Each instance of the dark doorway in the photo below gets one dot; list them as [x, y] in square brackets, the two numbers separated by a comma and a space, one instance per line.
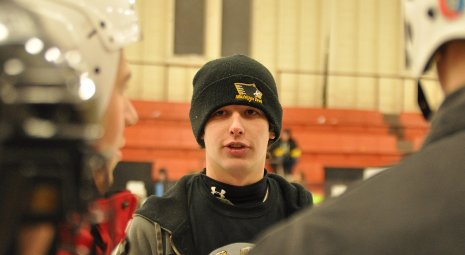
[337, 180]
[133, 171]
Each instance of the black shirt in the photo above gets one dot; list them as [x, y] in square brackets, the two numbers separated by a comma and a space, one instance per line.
[217, 223]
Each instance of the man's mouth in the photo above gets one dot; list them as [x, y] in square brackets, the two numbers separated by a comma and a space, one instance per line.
[236, 145]
[237, 149]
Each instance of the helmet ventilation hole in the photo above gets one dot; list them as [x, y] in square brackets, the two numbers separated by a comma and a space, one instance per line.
[431, 13]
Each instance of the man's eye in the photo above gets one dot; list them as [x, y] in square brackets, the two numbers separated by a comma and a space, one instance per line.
[219, 113]
[251, 112]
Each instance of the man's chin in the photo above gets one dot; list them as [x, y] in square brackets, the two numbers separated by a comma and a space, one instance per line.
[103, 181]
[236, 164]
[104, 177]
[112, 164]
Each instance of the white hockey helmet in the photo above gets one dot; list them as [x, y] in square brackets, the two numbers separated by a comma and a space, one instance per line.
[97, 29]
[428, 25]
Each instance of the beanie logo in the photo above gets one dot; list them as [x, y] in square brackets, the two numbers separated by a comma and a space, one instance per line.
[249, 92]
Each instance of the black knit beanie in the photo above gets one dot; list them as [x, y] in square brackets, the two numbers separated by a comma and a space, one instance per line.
[233, 80]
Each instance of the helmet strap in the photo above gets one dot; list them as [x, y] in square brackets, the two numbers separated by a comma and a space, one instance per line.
[423, 102]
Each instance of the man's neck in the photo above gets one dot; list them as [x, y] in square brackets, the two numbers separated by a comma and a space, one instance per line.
[237, 177]
[452, 67]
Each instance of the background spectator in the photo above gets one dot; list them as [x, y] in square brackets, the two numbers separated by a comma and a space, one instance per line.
[163, 183]
[284, 154]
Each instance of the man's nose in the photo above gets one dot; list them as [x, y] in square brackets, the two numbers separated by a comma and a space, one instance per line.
[130, 114]
[236, 127]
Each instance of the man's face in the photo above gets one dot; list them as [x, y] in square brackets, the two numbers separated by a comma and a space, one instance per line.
[120, 113]
[236, 139]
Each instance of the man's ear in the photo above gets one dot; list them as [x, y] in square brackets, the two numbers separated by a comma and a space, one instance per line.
[272, 135]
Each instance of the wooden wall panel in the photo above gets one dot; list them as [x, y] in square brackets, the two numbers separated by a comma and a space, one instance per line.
[345, 46]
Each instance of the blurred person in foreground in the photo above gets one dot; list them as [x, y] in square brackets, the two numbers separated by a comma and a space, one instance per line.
[416, 207]
[235, 114]
[70, 127]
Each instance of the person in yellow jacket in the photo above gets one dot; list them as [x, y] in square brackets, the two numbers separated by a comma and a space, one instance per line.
[284, 154]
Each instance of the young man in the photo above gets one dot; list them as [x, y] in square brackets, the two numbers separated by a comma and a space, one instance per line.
[416, 207]
[88, 36]
[235, 114]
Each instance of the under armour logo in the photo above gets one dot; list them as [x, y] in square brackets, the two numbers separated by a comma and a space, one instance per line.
[219, 194]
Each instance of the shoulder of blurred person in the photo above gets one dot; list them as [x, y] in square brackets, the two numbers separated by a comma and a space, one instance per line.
[414, 207]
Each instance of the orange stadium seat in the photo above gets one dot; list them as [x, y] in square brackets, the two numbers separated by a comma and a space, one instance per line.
[327, 137]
